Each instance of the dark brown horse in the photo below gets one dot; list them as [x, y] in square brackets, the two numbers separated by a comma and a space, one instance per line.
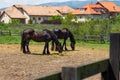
[64, 34]
[43, 36]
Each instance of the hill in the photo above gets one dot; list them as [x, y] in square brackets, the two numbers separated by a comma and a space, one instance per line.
[74, 4]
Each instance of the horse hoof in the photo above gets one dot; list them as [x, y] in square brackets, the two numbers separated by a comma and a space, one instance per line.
[66, 49]
[24, 52]
[48, 53]
[44, 53]
[28, 52]
[52, 49]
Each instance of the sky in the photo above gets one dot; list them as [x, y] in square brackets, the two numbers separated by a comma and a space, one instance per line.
[7, 3]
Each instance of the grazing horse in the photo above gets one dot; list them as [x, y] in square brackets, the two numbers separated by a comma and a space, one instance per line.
[43, 36]
[64, 34]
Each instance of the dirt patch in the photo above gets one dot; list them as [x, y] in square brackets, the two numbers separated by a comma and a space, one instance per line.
[14, 65]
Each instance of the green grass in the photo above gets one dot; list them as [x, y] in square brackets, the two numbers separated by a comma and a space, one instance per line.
[17, 40]
[10, 39]
[14, 40]
[93, 44]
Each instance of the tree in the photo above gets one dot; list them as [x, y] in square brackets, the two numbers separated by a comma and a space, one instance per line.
[69, 19]
[55, 18]
[15, 21]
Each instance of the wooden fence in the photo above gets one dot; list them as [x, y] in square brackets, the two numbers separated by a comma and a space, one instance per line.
[98, 38]
[8, 33]
[5, 32]
[108, 68]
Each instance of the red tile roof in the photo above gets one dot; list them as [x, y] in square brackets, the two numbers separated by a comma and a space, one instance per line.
[111, 6]
[90, 9]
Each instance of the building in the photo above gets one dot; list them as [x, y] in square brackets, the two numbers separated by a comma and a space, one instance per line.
[90, 11]
[100, 10]
[12, 13]
[111, 8]
[36, 14]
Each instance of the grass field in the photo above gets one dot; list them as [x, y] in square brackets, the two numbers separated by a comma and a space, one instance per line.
[17, 40]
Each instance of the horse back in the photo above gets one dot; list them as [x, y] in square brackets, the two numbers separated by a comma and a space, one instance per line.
[41, 36]
[61, 33]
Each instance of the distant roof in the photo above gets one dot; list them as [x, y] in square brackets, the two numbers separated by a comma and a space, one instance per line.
[63, 9]
[44, 10]
[14, 12]
[111, 6]
[89, 9]
[38, 10]
[92, 6]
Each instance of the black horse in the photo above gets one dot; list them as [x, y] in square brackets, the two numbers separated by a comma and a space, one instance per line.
[64, 34]
[43, 36]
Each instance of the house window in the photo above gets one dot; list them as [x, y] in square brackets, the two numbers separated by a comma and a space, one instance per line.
[96, 9]
[82, 10]
[33, 18]
[39, 18]
[99, 10]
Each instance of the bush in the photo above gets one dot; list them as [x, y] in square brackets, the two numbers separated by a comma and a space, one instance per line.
[15, 21]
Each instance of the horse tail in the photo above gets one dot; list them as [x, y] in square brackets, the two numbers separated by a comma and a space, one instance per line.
[22, 41]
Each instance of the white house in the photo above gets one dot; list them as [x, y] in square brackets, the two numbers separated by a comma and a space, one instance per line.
[12, 13]
[92, 11]
[100, 10]
[36, 14]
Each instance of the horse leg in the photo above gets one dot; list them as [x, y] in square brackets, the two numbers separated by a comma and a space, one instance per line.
[52, 48]
[27, 46]
[47, 46]
[24, 50]
[64, 44]
[44, 50]
[24, 47]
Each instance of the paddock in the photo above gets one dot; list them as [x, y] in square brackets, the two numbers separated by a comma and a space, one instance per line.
[18, 66]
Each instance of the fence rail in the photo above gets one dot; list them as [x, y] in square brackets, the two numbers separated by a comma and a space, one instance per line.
[8, 33]
[79, 72]
[5, 32]
[98, 38]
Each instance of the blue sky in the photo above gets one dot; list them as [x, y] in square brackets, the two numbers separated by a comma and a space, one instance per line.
[7, 3]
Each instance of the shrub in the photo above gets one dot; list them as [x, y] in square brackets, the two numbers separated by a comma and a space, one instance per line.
[15, 21]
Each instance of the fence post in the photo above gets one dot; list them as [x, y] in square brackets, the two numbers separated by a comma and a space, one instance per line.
[70, 73]
[114, 57]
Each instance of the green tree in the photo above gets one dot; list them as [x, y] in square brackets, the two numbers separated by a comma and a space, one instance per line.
[118, 18]
[69, 19]
[30, 21]
[15, 21]
[55, 18]
[3, 25]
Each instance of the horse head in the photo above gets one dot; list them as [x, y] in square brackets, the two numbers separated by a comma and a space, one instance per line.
[72, 45]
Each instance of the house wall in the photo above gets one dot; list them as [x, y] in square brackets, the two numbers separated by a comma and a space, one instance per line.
[84, 18]
[27, 17]
[5, 18]
[35, 19]
[25, 14]
[38, 19]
